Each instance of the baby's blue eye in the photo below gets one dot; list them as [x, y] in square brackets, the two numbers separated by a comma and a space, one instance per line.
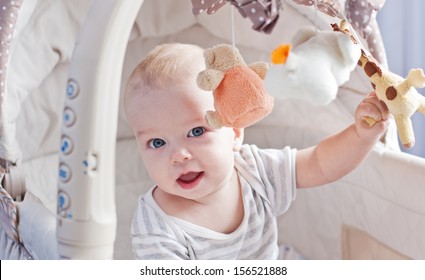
[196, 132]
[156, 143]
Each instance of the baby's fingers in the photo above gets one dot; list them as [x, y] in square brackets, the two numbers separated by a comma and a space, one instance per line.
[372, 110]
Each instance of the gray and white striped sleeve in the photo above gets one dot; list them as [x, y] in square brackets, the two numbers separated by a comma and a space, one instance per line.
[275, 169]
[152, 238]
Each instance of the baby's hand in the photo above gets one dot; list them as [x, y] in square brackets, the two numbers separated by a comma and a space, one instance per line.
[371, 118]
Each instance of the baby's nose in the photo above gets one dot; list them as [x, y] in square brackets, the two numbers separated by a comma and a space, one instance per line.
[180, 155]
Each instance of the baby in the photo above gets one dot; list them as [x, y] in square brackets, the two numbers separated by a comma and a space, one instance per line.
[215, 197]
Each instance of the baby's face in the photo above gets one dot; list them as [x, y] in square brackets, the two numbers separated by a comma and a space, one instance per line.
[182, 154]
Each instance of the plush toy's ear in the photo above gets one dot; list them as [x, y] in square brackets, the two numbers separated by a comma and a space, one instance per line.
[303, 35]
[209, 79]
[260, 68]
[209, 56]
[349, 52]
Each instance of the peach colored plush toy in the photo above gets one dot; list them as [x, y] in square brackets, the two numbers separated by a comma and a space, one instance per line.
[239, 95]
[399, 94]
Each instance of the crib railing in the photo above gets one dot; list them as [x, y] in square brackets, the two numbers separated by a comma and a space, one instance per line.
[86, 215]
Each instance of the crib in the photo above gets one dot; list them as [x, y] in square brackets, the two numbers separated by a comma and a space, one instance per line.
[71, 174]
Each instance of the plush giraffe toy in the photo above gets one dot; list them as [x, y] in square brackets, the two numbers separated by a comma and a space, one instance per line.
[399, 94]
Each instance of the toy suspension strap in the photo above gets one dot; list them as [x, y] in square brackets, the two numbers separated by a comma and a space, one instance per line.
[316, 15]
[232, 19]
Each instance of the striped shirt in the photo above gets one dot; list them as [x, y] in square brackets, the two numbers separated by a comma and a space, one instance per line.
[267, 178]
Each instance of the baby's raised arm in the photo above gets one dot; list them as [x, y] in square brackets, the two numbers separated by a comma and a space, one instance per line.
[341, 153]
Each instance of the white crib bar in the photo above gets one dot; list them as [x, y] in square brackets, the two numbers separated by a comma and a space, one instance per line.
[86, 217]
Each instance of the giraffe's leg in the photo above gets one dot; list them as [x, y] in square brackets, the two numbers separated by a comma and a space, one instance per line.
[405, 131]
[421, 108]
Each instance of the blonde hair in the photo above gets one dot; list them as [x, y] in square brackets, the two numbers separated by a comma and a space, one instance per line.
[164, 66]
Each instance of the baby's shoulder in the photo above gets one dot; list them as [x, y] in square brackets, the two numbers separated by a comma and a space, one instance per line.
[149, 219]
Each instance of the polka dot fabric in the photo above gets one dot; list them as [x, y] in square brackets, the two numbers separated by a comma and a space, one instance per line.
[8, 16]
[362, 16]
[262, 13]
[329, 7]
[211, 6]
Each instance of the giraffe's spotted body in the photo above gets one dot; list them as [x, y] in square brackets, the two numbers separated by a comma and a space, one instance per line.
[399, 94]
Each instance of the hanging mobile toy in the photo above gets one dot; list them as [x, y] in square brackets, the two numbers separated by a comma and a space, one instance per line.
[399, 94]
[240, 98]
[313, 67]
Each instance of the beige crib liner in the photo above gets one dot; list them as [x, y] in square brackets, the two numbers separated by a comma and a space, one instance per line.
[359, 245]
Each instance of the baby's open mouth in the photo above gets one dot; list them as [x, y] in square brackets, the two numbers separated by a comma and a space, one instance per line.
[190, 180]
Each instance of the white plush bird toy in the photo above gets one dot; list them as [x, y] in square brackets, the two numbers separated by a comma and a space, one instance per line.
[313, 68]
